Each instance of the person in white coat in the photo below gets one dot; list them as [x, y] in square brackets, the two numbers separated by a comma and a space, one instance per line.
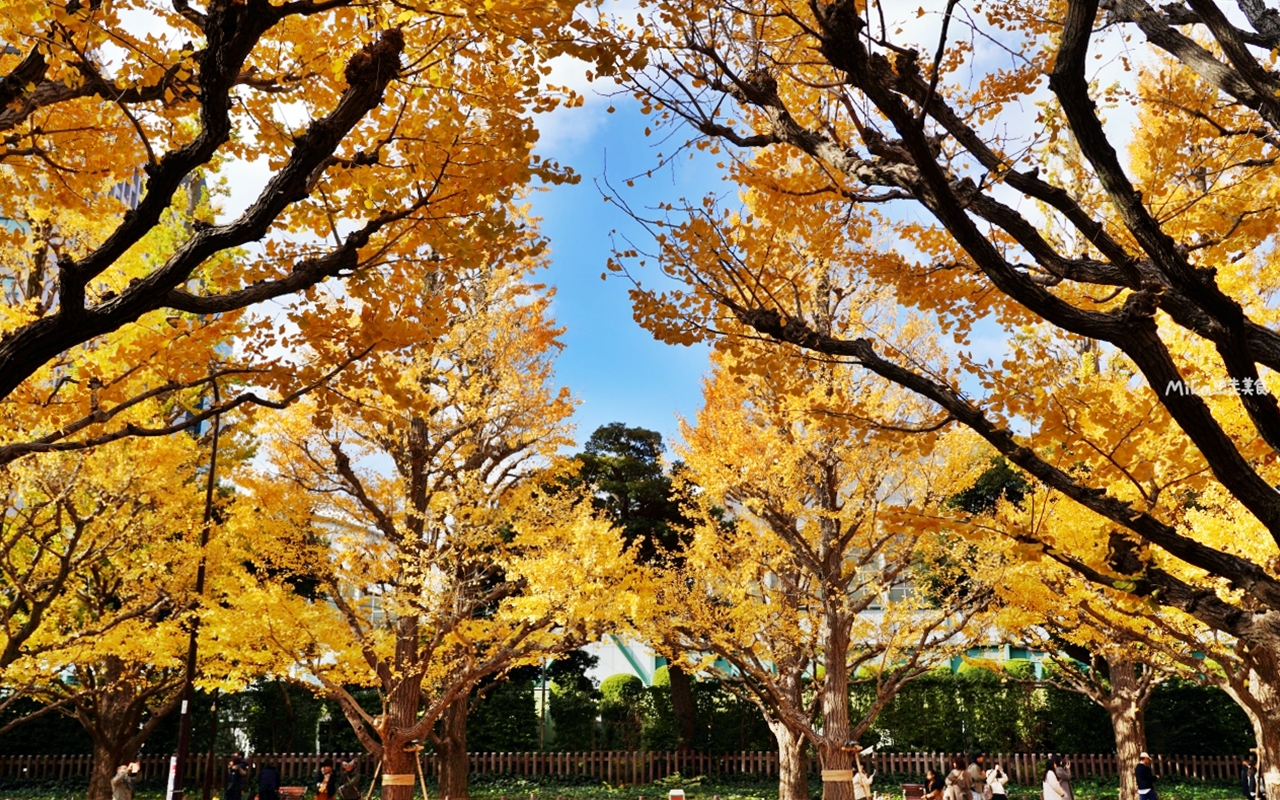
[996, 779]
[1052, 788]
[862, 783]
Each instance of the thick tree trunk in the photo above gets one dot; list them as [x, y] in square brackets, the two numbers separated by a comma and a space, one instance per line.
[1126, 705]
[400, 767]
[682, 704]
[1257, 691]
[451, 750]
[1265, 682]
[835, 712]
[107, 756]
[1266, 733]
[113, 716]
[793, 765]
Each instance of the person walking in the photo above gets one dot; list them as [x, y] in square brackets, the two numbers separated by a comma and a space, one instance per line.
[1063, 770]
[977, 772]
[996, 779]
[325, 783]
[237, 775]
[268, 782]
[1146, 778]
[1051, 788]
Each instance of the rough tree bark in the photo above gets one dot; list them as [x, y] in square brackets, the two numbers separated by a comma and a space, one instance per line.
[402, 715]
[682, 705]
[1126, 704]
[793, 762]
[107, 756]
[451, 750]
[112, 714]
[1257, 691]
[835, 707]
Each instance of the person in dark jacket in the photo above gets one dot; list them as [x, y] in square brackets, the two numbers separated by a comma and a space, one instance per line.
[326, 781]
[268, 782]
[349, 780]
[1146, 778]
[1248, 778]
[237, 777]
[933, 785]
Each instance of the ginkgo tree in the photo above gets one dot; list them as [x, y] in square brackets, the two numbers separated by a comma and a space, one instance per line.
[1122, 646]
[390, 139]
[805, 573]
[1160, 254]
[422, 497]
[1086, 640]
[1083, 628]
[99, 555]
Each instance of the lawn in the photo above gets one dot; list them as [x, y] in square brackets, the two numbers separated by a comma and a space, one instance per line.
[510, 787]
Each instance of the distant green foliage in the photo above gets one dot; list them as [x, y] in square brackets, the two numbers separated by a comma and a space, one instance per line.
[624, 467]
[980, 710]
[660, 730]
[1069, 722]
[730, 724]
[279, 717]
[573, 716]
[662, 677]
[51, 734]
[1184, 717]
[1000, 710]
[926, 715]
[618, 688]
[505, 720]
[164, 738]
[1000, 481]
[624, 706]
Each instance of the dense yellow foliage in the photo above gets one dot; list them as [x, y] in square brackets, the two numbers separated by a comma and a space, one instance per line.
[428, 514]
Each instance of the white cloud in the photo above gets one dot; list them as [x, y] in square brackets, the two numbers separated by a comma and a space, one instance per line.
[566, 129]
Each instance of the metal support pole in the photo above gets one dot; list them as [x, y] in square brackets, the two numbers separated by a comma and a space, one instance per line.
[213, 743]
[179, 769]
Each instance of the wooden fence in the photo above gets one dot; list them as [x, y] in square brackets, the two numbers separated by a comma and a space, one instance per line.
[619, 767]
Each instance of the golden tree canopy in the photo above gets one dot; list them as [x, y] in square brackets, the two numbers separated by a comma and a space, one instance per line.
[942, 166]
[394, 139]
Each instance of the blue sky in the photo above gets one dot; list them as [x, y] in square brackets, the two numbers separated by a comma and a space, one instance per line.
[617, 370]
